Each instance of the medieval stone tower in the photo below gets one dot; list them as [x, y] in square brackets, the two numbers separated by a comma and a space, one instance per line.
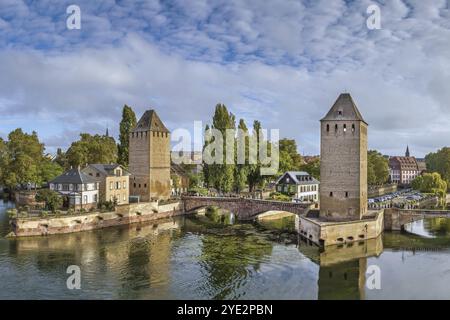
[343, 162]
[149, 158]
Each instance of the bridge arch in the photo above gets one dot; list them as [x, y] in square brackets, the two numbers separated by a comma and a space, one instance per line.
[244, 208]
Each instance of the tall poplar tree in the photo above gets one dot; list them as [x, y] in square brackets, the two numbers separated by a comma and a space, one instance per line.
[242, 169]
[221, 176]
[126, 125]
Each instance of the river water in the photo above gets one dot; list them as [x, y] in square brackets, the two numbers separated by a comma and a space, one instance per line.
[209, 258]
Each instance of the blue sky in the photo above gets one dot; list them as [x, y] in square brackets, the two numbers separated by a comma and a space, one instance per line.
[283, 62]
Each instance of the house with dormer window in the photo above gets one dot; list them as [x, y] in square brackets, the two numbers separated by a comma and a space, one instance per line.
[300, 185]
[78, 190]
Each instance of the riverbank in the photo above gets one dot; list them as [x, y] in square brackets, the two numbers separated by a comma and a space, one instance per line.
[123, 215]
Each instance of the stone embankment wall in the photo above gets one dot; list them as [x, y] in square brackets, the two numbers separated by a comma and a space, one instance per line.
[126, 214]
[26, 198]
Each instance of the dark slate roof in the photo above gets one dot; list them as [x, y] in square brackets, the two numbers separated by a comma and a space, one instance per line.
[177, 169]
[73, 176]
[344, 109]
[296, 177]
[403, 163]
[108, 169]
[150, 122]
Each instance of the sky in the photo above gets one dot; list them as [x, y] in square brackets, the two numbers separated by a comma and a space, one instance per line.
[282, 62]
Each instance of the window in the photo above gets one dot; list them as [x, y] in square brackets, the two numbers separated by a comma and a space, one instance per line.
[97, 174]
[118, 173]
[345, 127]
[328, 128]
[117, 185]
[335, 128]
[353, 127]
[346, 194]
[145, 185]
[331, 194]
[124, 184]
[134, 185]
[111, 185]
[85, 199]
[124, 197]
[95, 198]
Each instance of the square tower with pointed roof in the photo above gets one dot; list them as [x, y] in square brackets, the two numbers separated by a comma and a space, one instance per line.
[149, 158]
[343, 162]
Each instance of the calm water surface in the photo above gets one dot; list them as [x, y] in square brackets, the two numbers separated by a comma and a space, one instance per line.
[209, 258]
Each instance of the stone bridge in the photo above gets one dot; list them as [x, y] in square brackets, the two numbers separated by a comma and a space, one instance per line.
[243, 208]
[395, 219]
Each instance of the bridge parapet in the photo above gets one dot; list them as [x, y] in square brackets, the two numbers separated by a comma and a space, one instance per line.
[244, 208]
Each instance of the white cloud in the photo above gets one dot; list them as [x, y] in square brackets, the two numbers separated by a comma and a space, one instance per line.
[283, 62]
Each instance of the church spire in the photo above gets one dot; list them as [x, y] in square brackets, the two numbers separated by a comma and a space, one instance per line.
[107, 132]
[407, 151]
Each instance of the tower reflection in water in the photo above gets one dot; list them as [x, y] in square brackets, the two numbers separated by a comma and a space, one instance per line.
[194, 258]
[342, 273]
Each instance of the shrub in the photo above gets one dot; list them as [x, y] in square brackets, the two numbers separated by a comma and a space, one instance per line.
[51, 198]
[12, 213]
[279, 197]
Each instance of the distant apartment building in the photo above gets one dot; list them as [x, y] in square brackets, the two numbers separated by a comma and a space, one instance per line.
[78, 190]
[404, 169]
[113, 181]
[300, 185]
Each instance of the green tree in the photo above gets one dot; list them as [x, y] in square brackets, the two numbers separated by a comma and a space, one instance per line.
[206, 172]
[22, 160]
[255, 179]
[221, 175]
[312, 167]
[49, 170]
[92, 149]
[196, 180]
[3, 159]
[439, 162]
[126, 125]
[430, 183]
[52, 199]
[61, 159]
[377, 168]
[290, 159]
[242, 169]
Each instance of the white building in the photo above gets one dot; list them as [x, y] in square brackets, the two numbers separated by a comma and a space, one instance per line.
[300, 185]
[79, 190]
